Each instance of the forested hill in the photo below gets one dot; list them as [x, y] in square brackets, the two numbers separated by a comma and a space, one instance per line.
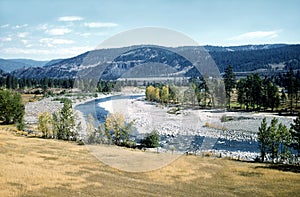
[283, 57]
[279, 57]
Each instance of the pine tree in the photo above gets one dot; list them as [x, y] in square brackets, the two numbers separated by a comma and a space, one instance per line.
[151, 140]
[263, 139]
[290, 78]
[274, 139]
[295, 131]
[229, 82]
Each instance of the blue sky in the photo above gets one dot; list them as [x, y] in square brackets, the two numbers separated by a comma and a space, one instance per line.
[49, 29]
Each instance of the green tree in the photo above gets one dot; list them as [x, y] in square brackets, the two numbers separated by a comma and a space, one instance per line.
[283, 96]
[151, 140]
[271, 96]
[12, 109]
[255, 91]
[285, 141]
[241, 92]
[263, 139]
[64, 125]
[295, 132]
[290, 78]
[229, 82]
[274, 140]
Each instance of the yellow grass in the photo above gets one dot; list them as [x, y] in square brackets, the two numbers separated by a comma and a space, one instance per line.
[30, 98]
[38, 167]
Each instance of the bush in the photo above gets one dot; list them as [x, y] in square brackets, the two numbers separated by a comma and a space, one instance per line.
[151, 140]
[12, 109]
[225, 118]
[117, 130]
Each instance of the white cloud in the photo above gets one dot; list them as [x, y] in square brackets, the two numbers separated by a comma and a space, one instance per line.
[46, 54]
[85, 34]
[256, 35]
[25, 42]
[4, 26]
[42, 26]
[5, 39]
[50, 42]
[70, 18]
[99, 25]
[20, 26]
[58, 31]
[23, 34]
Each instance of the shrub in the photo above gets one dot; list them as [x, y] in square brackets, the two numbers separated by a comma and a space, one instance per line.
[225, 118]
[12, 109]
[151, 140]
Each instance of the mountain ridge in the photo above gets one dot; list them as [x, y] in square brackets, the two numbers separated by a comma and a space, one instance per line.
[242, 58]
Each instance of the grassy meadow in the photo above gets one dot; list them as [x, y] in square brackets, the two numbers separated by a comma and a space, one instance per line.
[33, 166]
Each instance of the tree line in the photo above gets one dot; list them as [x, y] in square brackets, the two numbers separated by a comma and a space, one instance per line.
[117, 131]
[254, 92]
[197, 93]
[278, 141]
[61, 124]
[251, 60]
[11, 82]
[251, 93]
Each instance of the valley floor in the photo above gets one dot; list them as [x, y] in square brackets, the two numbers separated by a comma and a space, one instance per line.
[39, 167]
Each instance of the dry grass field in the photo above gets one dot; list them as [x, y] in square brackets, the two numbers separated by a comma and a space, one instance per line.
[36, 167]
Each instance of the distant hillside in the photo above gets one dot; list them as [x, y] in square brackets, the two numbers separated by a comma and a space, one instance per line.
[52, 62]
[9, 65]
[32, 63]
[248, 58]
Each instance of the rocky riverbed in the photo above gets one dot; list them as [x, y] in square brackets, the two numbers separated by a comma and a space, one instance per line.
[196, 131]
[187, 130]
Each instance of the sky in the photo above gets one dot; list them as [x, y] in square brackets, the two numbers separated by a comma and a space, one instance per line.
[52, 29]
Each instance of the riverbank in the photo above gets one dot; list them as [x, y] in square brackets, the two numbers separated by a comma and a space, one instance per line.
[197, 131]
[187, 130]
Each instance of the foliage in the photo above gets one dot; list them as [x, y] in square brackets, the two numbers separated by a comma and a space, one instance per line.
[225, 118]
[263, 138]
[94, 135]
[151, 140]
[64, 126]
[11, 82]
[44, 124]
[256, 93]
[275, 140]
[165, 94]
[116, 130]
[150, 94]
[295, 132]
[229, 82]
[105, 86]
[61, 100]
[12, 109]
